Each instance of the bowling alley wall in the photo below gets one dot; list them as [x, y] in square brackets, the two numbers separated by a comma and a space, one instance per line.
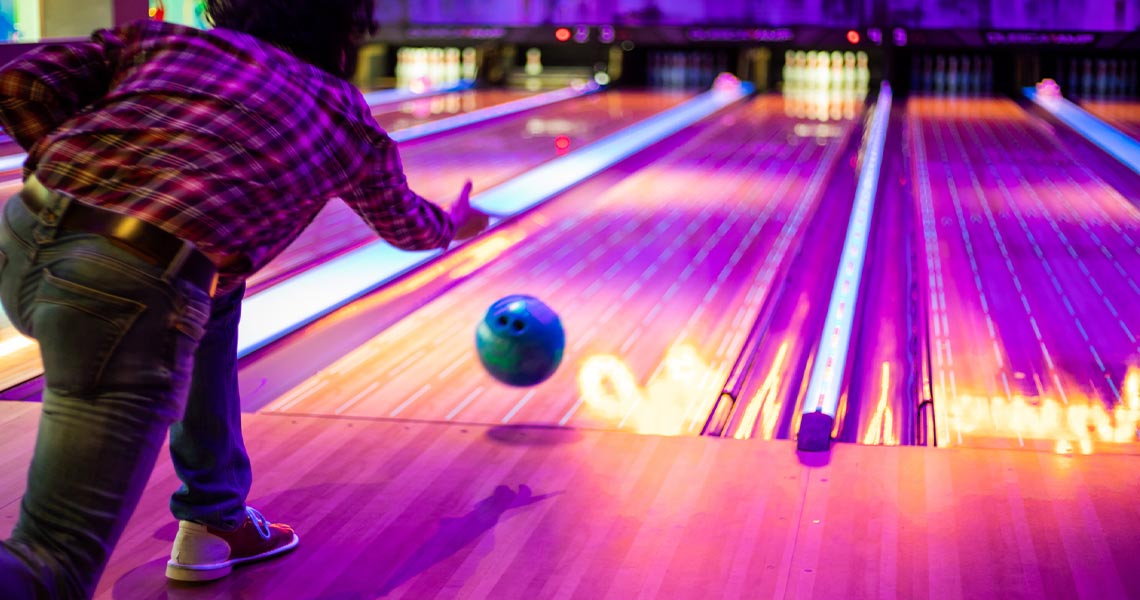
[1029, 15]
[28, 20]
[957, 47]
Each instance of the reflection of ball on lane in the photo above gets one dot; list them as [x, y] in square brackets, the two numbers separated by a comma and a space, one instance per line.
[520, 340]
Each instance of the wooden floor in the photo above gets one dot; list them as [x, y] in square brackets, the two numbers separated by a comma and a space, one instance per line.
[420, 510]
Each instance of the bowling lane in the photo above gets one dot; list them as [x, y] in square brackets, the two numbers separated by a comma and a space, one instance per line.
[657, 280]
[19, 356]
[418, 111]
[880, 403]
[488, 154]
[1121, 114]
[1033, 263]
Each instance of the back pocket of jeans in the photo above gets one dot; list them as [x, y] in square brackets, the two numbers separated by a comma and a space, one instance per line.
[79, 329]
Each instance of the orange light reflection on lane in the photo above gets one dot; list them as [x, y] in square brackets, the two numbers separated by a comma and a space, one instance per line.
[1114, 206]
[609, 390]
[1080, 423]
[766, 394]
[881, 430]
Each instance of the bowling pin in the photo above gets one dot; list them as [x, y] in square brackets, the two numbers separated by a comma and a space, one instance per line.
[787, 70]
[952, 75]
[988, 75]
[533, 66]
[915, 73]
[1074, 78]
[978, 75]
[1101, 78]
[1086, 83]
[863, 70]
[836, 70]
[452, 69]
[940, 74]
[970, 61]
[928, 66]
[470, 64]
[401, 68]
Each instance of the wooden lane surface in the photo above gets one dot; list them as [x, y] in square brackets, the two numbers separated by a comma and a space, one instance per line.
[1032, 259]
[488, 154]
[652, 279]
[915, 522]
[1121, 114]
[420, 510]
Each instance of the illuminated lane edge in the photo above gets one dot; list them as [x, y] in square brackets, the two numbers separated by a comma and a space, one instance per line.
[399, 95]
[822, 398]
[279, 310]
[12, 162]
[380, 98]
[493, 112]
[1105, 136]
[540, 183]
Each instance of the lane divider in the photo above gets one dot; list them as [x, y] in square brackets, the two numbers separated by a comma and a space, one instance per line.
[536, 185]
[494, 112]
[822, 399]
[12, 162]
[1104, 136]
[279, 310]
[400, 95]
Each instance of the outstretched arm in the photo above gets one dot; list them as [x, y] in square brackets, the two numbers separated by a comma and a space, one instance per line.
[392, 209]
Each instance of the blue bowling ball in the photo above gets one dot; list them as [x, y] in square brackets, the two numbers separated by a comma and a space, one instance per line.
[520, 341]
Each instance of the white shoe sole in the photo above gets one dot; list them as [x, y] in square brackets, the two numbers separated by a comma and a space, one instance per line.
[210, 572]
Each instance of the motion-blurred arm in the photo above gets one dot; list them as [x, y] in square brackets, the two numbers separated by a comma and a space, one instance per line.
[400, 216]
[45, 87]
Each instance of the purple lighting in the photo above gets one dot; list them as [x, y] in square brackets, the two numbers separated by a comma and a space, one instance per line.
[725, 34]
[899, 35]
[1010, 15]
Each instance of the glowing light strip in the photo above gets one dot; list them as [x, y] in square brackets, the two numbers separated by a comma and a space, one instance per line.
[1105, 136]
[390, 96]
[536, 185]
[300, 300]
[831, 358]
[12, 162]
[493, 112]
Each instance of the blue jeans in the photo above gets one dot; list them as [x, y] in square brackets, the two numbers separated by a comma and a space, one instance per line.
[206, 446]
[119, 338]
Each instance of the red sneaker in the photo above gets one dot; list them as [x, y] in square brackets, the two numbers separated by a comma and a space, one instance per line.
[202, 553]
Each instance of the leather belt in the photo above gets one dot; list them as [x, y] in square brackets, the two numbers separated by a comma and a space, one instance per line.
[149, 242]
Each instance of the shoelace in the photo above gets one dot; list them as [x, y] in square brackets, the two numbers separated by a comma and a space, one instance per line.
[259, 522]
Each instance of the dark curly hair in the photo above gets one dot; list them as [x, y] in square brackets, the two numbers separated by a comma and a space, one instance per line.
[324, 33]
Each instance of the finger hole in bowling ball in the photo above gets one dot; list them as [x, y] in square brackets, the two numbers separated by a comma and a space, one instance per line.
[518, 325]
[503, 320]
